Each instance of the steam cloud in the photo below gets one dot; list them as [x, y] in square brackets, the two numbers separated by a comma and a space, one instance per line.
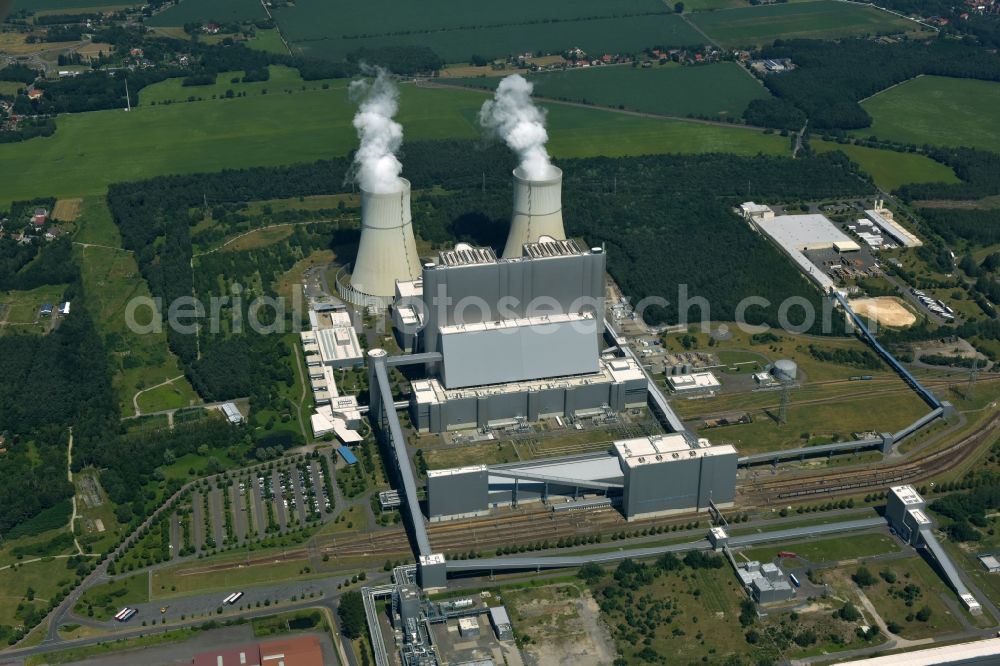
[377, 168]
[514, 118]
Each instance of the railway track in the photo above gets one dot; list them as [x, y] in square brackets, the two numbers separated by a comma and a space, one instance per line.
[848, 482]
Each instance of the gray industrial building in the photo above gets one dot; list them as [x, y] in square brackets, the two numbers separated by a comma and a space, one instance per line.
[618, 384]
[519, 339]
[470, 285]
[766, 583]
[904, 509]
[670, 474]
[645, 476]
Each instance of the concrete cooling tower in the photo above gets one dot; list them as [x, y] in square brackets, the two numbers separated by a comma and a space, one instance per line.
[388, 251]
[537, 211]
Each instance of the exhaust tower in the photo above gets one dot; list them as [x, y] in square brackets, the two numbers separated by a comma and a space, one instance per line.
[537, 210]
[387, 251]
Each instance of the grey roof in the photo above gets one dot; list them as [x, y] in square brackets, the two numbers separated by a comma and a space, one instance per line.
[499, 615]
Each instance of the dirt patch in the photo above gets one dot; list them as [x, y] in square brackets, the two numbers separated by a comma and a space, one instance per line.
[886, 310]
[564, 626]
[67, 210]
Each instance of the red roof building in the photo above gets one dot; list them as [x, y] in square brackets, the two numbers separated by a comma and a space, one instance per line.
[244, 655]
[299, 651]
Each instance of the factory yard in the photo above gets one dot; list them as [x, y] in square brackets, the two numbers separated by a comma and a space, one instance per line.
[886, 310]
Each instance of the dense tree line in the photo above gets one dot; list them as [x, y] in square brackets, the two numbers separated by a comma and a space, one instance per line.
[129, 462]
[47, 385]
[19, 73]
[977, 226]
[774, 112]
[832, 77]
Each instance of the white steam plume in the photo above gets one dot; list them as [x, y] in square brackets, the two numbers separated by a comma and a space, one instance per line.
[514, 118]
[377, 168]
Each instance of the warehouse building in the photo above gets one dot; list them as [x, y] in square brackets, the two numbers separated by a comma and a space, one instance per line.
[882, 218]
[797, 234]
[645, 476]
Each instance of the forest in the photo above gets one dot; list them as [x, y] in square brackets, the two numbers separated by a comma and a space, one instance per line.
[832, 77]
[47, 385]
[979, 171]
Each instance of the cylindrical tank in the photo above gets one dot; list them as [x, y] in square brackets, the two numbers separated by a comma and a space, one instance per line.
[387, 251]
[537, 211]
[785, 370]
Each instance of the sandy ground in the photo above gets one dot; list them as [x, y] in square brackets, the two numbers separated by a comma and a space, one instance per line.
[886, 310]
[566, 630]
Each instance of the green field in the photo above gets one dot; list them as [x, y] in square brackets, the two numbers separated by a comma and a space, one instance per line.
[169, 396]
[10, 87]
[219, 11]
[19, 310]
[91, 150]
[891, 169]
[626, 34]
[823, 19]
[283, 79]
[829, 550]
[46, 5]
[108, 598]
[457, 30]
[721, 89]
[712, 5]
[268, 40]
[937, 110]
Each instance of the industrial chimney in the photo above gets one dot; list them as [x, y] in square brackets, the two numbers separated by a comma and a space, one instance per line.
[537, 210]
[388, 251]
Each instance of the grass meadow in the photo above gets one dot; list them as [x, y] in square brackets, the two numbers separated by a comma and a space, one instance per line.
[91, 150]
[822, 19]
[69, 5]
[891, 169]
[721, 90]
[937, 110]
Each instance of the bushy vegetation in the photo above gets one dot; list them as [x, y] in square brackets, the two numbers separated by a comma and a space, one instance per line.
[859, 358]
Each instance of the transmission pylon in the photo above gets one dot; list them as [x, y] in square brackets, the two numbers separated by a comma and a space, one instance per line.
[973, 376]
[783, 406]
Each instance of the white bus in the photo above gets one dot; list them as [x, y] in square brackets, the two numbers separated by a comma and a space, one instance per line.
[125, 614]
[794, 580]
[232, 598]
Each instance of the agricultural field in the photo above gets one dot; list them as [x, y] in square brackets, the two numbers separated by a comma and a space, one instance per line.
[255, 130]
[220, 11]
[74, 5]
[720, 90]
[890, 169]
[823, 19]
[456, 30]
[626, 34]
[937, 110]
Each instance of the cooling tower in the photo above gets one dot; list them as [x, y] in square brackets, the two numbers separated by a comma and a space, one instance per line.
[537, 211]
[387, 251]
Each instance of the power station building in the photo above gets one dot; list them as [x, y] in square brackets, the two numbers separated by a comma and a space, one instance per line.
[645, 477]
[519, 339]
